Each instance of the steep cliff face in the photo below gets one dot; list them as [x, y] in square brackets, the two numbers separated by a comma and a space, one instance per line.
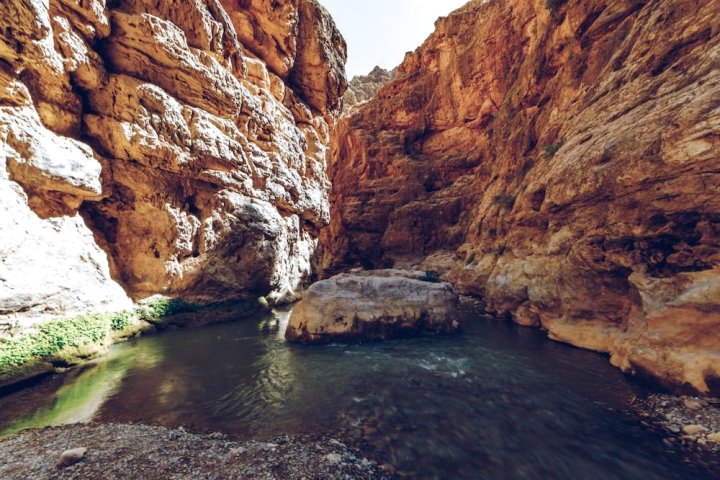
[170, 147]
[362, 88]
[564, 167]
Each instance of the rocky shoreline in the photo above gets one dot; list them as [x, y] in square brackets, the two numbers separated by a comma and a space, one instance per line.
[691, 423]
[149, 452]
[98, 450]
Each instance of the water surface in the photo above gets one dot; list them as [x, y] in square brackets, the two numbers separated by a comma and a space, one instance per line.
[497, 401]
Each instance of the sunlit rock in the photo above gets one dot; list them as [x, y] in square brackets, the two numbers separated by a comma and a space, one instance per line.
[373, 305]
[560, 162]
[146, 149]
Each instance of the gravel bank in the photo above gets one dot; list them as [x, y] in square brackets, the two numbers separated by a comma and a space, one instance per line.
[144, 452]
[690, 423]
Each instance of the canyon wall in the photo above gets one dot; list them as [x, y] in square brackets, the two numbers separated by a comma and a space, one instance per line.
[363, 88]
[560, 160]
[173, 147]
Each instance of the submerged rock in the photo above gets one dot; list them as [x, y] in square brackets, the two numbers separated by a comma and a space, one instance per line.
[373, 305]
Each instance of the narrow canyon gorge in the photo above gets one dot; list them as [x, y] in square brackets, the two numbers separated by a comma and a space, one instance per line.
[556, 162]
[564, 169]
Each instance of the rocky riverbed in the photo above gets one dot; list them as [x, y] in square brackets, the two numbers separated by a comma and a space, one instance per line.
[138, 451]
[691, 423]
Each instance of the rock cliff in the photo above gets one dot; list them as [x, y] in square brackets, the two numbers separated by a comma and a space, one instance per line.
[561, 161]
[172, 147]
[362, 88]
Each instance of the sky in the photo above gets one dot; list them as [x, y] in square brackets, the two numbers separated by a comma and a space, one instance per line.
[379, 32]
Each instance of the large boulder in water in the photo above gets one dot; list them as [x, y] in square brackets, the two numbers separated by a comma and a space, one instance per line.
[373, 305]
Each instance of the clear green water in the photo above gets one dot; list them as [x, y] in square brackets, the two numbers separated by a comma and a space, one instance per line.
[497, 401]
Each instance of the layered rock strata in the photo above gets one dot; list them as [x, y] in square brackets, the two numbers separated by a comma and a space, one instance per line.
[161, 147]
[559, 160]
[373, 305]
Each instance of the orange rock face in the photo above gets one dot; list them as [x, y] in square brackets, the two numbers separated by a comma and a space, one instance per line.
[362, 88]
[563, 164]
[173, 147]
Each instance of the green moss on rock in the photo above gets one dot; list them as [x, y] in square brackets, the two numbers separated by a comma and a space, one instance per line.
[64, 342]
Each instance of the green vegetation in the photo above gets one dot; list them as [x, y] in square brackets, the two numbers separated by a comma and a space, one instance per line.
[51, 338]
[554, 5]
[505, 200]
[122, 320]
[166, 307]
[551, 150]
[67, 338]
[431, 276]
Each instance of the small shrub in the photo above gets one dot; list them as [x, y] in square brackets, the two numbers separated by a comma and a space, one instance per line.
[505, 200]
[554, 5]
[551, 150]
[167, 307]
[431, 276]
[120, 321]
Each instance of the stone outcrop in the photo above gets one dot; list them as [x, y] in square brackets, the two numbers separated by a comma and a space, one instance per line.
[372, 306]
[563, 167]
[363, 88]
[172, 148]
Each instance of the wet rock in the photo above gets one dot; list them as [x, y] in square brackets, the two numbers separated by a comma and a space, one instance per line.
[373, 305]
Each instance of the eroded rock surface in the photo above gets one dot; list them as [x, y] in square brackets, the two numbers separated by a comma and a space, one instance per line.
[371, 306]
[563, 165]
[153, 147]
[363, 88]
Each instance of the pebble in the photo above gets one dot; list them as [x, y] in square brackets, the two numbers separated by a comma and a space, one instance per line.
[238, 451]
[694, 404]
[71, 457]
[714, 437]
[157, 452]
[333, 457]
[693, 429]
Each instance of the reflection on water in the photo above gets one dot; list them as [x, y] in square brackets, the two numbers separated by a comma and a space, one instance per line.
[497, 401]
[84, 391]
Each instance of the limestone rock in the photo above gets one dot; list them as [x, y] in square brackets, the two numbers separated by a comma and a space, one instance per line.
[693, 429]
[71, 457]
[152, 148]
[319, 72]
[50, 263]
[269, 30]
[563, 168]
[372, 305]
[362, 88]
